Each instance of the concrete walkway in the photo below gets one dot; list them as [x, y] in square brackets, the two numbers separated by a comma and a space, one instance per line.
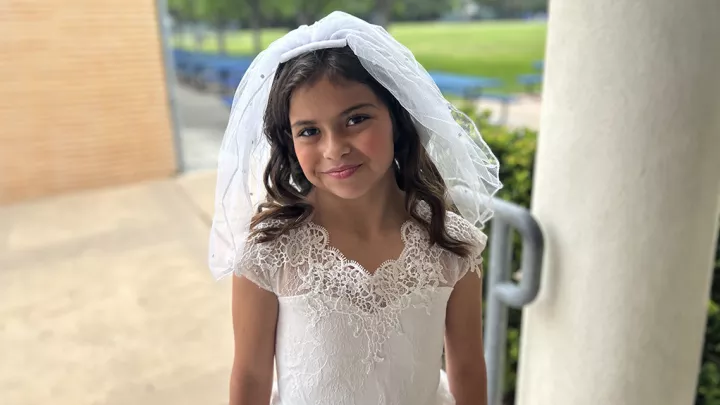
[523, 113]
[203, 118]
[105, 299]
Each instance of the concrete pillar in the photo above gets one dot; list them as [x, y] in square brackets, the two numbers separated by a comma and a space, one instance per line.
[627, 189]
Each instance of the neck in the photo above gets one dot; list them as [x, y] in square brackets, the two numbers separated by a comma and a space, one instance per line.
[382, 208]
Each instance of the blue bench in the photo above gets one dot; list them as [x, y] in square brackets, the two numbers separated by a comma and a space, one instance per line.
[530, 82]
[204, 69]
[232, 81]
[473, 88]
[190, 65]
[468, 87]
[225, 72]
[182, 59]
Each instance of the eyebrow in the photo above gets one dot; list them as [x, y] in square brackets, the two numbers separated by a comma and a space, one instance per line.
[345, 112]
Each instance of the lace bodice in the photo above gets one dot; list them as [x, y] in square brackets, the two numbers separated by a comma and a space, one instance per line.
[346, 336]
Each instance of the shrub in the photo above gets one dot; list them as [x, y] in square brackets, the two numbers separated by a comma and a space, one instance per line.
[709, 381]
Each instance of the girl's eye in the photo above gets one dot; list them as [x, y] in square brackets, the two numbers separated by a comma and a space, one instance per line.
[307, 132]
[357, 119]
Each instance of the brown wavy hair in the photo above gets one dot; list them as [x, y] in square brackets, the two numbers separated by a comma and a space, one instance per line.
[286, 207]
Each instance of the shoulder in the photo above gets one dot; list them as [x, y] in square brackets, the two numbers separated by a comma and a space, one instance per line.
[263, 259]
[258, 245]
[458, 228]
[462, 230]
[269, 243]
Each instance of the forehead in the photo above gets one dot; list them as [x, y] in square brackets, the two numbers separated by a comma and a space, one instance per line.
[328, 98]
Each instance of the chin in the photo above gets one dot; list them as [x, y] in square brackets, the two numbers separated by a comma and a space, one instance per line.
[346, 192]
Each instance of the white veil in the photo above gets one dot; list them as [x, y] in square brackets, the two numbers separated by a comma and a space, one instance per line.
[453, 142]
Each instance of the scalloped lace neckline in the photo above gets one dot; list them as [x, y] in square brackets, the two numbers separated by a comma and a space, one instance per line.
[327, 245]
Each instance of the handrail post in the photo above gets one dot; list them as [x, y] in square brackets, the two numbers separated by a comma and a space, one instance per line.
[502, 292]
[496, 313]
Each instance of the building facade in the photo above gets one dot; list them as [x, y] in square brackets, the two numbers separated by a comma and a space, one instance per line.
[83, 100]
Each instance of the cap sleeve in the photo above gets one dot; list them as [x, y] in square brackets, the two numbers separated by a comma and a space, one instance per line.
[260, 263]
[478, 241]
[460, 229]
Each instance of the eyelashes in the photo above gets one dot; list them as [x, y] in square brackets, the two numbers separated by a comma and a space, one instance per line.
[352, 121]
[307, 132]
[357, 119]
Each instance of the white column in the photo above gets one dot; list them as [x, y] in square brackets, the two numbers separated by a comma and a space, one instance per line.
[627, 188]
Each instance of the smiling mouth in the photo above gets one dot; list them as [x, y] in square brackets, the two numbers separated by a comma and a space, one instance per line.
[343, 172]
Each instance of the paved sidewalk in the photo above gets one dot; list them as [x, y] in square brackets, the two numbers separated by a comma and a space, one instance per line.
[523, 113]
[105, 299]
[203, 118]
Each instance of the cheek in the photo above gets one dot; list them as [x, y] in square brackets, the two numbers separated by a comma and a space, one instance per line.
[377, 145]
[306, 158]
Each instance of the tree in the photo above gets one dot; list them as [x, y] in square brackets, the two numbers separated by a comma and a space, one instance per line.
[309, 11]
[422, 9]
[220, 13]
[256, 23]
[183, 11]
[514, 8]
[223, 12]
[180, 9]
[382, 11]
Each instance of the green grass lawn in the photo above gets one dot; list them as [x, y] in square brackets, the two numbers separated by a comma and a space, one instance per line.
[502, 50]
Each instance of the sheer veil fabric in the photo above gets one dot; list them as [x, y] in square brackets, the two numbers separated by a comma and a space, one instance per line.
[451, 138]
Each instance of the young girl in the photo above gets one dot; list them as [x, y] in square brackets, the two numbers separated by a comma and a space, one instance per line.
[350, 193]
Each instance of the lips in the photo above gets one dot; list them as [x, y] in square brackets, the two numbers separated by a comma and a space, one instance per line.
[342, 172]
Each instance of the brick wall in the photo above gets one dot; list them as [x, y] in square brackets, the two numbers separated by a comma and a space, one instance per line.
[82, 96]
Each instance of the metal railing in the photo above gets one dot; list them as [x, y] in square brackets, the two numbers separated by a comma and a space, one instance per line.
[502, 293]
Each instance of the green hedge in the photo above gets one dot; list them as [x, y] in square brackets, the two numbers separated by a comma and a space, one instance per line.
[515, 150]
[709, 384]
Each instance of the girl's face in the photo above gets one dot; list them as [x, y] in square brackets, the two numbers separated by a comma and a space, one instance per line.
[343, 137]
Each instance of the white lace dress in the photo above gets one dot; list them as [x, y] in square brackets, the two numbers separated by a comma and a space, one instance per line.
[346, 337]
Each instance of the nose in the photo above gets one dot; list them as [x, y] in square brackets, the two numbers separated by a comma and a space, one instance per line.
[335, 146]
